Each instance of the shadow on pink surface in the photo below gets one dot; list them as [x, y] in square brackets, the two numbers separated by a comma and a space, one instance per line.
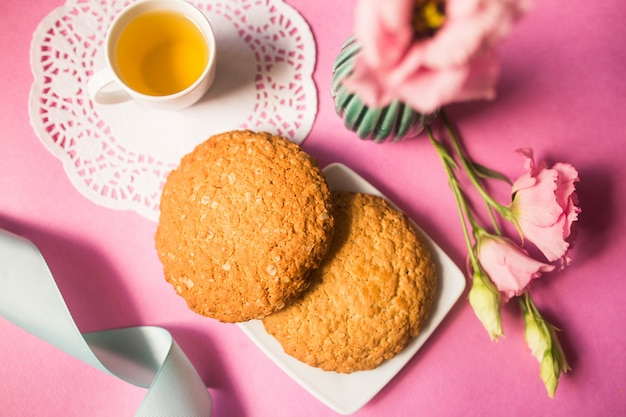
[596, 192]
[91, 288]
[97, 301]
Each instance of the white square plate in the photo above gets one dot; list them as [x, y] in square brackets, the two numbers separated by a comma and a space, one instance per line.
[346, 393]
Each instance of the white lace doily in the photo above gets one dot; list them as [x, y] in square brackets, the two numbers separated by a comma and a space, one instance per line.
[119, 155]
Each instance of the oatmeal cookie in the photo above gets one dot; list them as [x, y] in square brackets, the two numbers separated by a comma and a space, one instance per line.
[244, 218]
[369, 298]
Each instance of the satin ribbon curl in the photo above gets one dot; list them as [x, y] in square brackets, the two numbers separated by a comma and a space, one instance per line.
[145, 356]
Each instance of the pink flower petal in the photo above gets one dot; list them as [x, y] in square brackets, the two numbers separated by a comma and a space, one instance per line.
[509, 267]
[544, 206]
[458, 63]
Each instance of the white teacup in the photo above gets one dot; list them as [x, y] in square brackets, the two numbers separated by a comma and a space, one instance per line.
[161, 53]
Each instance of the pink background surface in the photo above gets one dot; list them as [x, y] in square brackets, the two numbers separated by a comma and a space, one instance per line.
[562, 92]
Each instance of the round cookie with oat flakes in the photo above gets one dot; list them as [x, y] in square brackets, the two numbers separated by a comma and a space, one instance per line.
[244, 219]
[370, 296]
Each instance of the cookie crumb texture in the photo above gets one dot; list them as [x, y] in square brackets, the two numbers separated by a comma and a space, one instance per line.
[368, 299]
[244, 219]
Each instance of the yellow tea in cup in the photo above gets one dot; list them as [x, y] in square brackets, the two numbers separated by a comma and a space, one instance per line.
[160, 53]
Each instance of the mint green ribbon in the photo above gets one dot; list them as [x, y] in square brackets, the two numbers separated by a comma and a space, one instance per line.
[144, 356]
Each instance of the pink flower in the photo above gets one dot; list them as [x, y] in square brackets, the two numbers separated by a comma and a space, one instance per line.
[544, 206]
[509, 266]
[457, 63]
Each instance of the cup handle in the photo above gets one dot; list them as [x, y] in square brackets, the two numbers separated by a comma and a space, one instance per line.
[96, 87]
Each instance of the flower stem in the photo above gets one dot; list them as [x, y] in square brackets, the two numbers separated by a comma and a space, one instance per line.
[461, 203]
[473, 176]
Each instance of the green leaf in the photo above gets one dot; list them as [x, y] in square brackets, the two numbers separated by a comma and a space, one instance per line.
[484, 172]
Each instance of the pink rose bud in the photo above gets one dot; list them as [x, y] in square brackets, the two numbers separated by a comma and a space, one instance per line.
[509, 267]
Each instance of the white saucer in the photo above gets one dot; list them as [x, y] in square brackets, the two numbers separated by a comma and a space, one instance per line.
[346, 393]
